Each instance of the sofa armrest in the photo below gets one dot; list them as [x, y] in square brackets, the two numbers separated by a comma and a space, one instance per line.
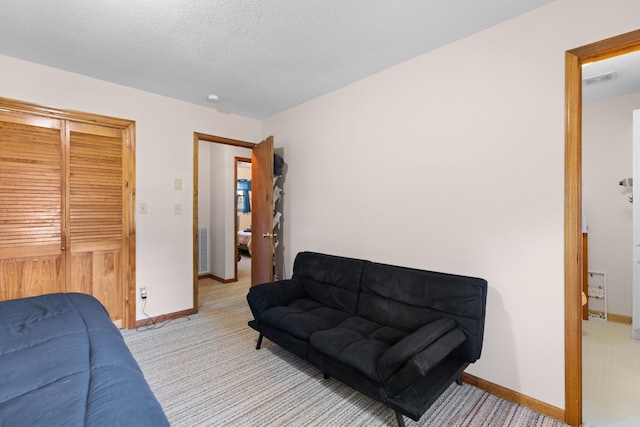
[272, 294]
[398, 355]
[423, 362]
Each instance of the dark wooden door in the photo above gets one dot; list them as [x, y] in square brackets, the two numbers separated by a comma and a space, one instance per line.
[262, 237]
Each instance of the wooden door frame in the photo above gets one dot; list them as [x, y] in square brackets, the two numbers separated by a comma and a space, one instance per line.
[197, 137]
[574, 59]
[128, 273]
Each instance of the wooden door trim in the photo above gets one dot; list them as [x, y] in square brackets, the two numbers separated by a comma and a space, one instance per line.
[222, 140]
[129, 222]
[197, 137]
[574, 59]
[7, 104]
[128, 130]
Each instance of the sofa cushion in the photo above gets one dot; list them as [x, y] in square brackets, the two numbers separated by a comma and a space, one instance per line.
[302, 317]
[357, 342]
[334, 281]
[407, 299]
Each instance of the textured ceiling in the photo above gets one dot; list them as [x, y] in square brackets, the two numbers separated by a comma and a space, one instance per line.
[260, 57]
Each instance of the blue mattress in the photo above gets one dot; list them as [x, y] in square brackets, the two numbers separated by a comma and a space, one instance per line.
[64, 363]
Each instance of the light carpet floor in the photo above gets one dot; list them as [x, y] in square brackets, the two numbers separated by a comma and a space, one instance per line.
[205, 371]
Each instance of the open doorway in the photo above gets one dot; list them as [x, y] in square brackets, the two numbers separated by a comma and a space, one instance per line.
[218, 213]
[243, 217]
[574, 254]
[610, 94]
[215, 203]
[222, 213]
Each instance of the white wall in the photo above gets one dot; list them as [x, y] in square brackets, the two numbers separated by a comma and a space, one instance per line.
[164, 151]
[607, 159]
[460, 168]
[204, 191]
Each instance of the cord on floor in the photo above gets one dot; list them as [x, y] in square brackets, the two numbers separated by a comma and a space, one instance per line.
[155, 324]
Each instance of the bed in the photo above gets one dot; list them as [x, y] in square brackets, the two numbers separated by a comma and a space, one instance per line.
[63, 362]
[244, 240]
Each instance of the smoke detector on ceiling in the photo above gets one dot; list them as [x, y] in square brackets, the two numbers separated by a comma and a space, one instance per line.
[600, 78]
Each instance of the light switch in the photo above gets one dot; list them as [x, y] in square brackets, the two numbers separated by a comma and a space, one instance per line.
[177, 184]
[142, 208]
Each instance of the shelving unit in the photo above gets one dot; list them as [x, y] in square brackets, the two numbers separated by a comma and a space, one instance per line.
[278, 203]
[597, 293]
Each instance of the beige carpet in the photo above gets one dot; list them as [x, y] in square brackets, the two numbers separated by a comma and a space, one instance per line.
[205, 371]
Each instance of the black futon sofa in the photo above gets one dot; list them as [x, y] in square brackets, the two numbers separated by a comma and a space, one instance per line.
[399, 335]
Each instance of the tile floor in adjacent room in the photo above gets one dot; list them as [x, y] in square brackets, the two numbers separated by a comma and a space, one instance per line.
[611, 375]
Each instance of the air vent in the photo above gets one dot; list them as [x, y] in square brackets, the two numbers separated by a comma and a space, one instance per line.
[600, 78]
[203, 250]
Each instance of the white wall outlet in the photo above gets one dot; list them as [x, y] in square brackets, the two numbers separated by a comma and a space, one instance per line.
[143, 293]
[177, 209]
[142, 208]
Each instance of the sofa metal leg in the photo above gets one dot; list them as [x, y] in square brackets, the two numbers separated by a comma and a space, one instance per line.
[400, 419]
[259, 342]
[459, 380]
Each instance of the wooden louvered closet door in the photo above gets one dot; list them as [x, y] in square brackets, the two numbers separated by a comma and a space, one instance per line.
[31, 229]
[95, 199]
[66, 209]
